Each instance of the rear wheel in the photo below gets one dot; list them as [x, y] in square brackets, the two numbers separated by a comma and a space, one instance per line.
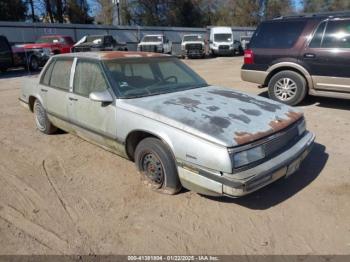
[287, 87]
[41, 120]
[157, 166]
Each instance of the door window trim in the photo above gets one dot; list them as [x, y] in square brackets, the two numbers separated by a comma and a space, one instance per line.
[102, 71]
[315, 31]
[54, 60]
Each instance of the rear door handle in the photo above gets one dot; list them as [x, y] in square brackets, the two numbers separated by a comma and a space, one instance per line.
[72, 99]
[309, 55]
[43, 90]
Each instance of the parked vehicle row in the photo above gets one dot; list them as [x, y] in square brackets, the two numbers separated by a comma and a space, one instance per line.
[14, 56]
[99, 43]
[297, 56]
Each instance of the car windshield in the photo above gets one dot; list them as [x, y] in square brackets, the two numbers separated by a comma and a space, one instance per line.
[223, 37]
[152, 39]
[49, 40]
[189, 38]
[140, 77]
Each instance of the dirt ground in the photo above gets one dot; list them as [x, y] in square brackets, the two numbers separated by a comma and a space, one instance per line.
[62, 195]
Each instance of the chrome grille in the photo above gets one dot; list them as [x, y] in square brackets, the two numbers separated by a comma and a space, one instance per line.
[148, 48]
[194, 46]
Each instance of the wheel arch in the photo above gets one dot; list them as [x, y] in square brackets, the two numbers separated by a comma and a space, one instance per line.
[289, 66]
[136, 136]
[31, 101]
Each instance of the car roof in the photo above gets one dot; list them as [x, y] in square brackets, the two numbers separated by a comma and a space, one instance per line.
[315, 16]
[110, 55]
[52, 36]
[154, 35]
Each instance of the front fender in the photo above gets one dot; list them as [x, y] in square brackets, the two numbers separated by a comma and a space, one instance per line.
[185, 146]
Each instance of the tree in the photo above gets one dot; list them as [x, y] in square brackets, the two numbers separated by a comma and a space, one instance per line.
[77, 11]
[276, 8]
[105, 15]
[312, 6]
[14, 10]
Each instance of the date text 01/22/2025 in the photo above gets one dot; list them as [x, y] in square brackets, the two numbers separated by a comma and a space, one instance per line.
[173, 258]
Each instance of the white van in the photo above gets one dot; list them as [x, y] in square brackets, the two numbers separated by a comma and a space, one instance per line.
[221, 41]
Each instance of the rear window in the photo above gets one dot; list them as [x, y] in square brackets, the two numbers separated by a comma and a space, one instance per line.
[279, 34]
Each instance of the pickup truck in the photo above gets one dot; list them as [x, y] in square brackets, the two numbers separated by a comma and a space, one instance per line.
[193, 46]
[16, 56]
[156, 44]
[99, 43]
[50, 45]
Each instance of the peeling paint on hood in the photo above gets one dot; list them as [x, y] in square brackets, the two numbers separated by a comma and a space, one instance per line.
[220, 115]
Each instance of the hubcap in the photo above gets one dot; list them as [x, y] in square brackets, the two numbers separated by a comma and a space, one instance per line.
[34, 64]
[285, 89]
[152, 168]
[40, 118]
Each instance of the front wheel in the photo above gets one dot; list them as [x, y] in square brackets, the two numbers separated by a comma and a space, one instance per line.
[154, 161]
[287, 87]
[41, 120]
[34, 63]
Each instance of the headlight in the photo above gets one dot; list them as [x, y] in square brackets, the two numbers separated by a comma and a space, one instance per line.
[215, 45]
[248, 156]
[302, 127]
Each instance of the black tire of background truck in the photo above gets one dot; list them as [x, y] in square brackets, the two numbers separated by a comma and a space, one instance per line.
[33, 63]
[41, 120]
[152, 149]
[299, 80]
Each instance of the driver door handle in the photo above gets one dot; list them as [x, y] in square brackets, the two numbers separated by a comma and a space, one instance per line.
[43, 90]
[309, 55]
[72, 99]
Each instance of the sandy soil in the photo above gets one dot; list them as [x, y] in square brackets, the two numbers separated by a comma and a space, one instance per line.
[62, 195]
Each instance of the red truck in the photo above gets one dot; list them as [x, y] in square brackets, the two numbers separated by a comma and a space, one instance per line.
[51, 45]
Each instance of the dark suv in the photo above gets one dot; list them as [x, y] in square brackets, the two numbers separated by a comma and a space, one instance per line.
[298, 55]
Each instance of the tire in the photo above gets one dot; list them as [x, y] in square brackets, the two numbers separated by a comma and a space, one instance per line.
[41, 120]
[157, 166]
[34, 63]
[294, 93]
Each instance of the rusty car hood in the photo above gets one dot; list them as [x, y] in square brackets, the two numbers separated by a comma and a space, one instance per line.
[220, 115]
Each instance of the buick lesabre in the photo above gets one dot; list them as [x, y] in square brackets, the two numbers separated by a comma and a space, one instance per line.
[179, 130]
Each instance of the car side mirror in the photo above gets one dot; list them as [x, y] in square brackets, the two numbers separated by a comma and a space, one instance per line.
[103, 97]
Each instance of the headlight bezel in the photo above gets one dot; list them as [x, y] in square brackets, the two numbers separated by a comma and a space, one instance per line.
[299, 129]
[248, 156]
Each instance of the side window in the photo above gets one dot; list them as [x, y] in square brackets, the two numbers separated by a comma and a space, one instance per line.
[277, 34]
[318, 36]
[337, 34]
[88, 78]
[61, 74]
[45, 80]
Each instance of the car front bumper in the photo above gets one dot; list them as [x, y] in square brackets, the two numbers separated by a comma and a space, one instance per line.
[216, 184]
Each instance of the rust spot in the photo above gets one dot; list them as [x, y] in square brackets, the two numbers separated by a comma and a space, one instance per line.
[187, 103]
[213, 108]
[263, 104]
[251, 112]
[242, 118]
[276, 126]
